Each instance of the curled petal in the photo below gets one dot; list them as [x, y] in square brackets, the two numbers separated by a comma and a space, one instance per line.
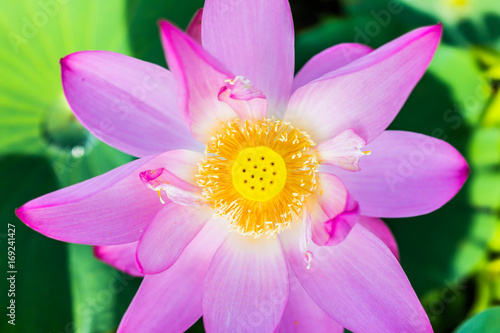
[247, 101]
[334, 213]
[178, 191]
[343, 150]
[319, 235]
[182, 197]
[156, 179]
[241, 89]
[340, 226]
[331, 194]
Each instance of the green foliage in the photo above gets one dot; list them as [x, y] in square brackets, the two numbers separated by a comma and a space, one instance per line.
[485, 322]
[42, 283]
[142, 19]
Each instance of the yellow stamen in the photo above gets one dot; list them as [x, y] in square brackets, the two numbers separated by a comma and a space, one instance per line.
[284, 173]
[259, 173]
[161, 199]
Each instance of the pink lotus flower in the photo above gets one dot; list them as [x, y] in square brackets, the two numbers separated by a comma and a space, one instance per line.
[305, 250]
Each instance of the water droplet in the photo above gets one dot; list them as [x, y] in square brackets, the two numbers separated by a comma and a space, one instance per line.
[77, 151]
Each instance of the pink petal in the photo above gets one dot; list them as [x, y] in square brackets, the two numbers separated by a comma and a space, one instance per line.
[381, 230]
[329, 60]
[343, 150]
[246, 288]
[367, 94]
[157, 179]
[121, 257]
[194, 28]
[242, 89]
[306, 233]
[407, 174]
[254, 39]
[331, 194]
[127, 103]
[302, 314]
[334, 214]
[245, 109]
[178, 191]
[183, 197]
[199, 78]
[110, 209]
[319, 235]
[247, 101]
[332, 231]
[170, 231]
[359, 283]
[339, 227]
[171, 301]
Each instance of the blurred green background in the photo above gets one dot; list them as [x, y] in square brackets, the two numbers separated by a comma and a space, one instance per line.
[452, 256]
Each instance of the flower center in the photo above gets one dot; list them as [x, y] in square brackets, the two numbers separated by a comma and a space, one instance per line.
[257, 174]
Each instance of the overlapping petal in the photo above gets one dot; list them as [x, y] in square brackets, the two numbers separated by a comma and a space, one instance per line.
[407, 174]
[121, 257]
[343, 150]
[381, 230]
[359, 283]
[172, 301]
[177, 190]
[331, 194]
[194, 27]
[127, 103]
[247, 101]
[170, 231]
[333, 211]
[113, 208]
[254, 39]
[199, 79]
[302, 314]
[367, 94]
[327, 61]
[246, 288]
